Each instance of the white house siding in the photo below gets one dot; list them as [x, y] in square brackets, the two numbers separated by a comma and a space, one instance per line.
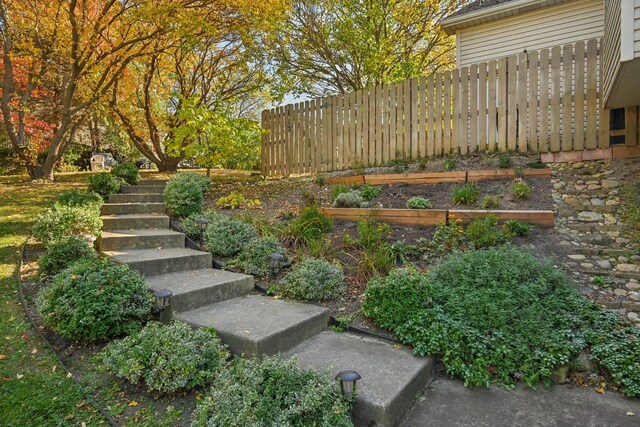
[636, 30]
[561, 24]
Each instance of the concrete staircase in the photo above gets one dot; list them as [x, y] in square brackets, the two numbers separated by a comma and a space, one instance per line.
[136, 232]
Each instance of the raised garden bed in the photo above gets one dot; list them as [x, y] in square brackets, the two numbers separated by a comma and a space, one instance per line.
[541, 218]
[439, 177]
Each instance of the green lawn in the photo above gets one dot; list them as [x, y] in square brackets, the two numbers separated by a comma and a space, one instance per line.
[34, 390]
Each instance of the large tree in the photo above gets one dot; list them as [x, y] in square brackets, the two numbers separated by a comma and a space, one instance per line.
[210, 67]
[337, 46]
[74, 50]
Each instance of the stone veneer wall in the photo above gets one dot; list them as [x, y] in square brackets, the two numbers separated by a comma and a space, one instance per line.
[587, 202]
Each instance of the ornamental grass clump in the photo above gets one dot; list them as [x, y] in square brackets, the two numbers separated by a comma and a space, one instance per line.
[465, 194]
[502, 315]
[95, 300]
[63, 253]
[167, 359]
[272, 391]
[309, 227]
[313, 280]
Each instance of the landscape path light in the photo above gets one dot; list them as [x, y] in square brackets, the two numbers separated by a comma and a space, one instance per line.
[202, 225]
[274, 264]
[163, 299]
[348, 381]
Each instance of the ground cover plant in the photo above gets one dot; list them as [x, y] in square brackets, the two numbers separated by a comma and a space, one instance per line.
[63, 253]
[272, 392]
[351, 199]
[128, 172]
[184, 193]
[501, 315]
[417, 202]
[225, 236]
[94, 300]
[313, 279]
[167, 359]
[237, 201]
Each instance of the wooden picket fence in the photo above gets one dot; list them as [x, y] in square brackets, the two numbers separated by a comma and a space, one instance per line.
[535, 102]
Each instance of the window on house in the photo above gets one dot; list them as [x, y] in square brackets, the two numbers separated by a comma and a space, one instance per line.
[616, 126]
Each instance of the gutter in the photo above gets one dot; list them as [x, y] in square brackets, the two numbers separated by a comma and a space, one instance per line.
[453, 23]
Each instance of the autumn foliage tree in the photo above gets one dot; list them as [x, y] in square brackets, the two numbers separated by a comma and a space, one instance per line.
[337, 46]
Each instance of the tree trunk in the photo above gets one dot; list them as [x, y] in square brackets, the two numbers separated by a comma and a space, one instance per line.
[168, 164]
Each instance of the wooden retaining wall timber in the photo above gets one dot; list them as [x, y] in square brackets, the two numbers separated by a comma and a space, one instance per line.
[541, 218]
[438, 177]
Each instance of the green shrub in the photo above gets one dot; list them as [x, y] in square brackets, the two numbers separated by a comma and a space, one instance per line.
[310, 226]
[504, 161]
[104, 184]
[95, 300]
[184, 193]
[390, 301]
[417, 202]
[485, 232]
[449, 164]
[501, 315]
[370, 192]
[62, 221]
[167, 359]
[465, 194]
[224, 235]
[76, 198]
[313, 280]
[337, 190]
[63, 253]
[272, 391]
[352, 199]
[520, 188]
[256, 257]
[127, 172]
[513, 227]
[490, 202]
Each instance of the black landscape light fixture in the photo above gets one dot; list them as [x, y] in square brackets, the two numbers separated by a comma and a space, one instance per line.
[348, 382]
[163, 297]
[202, 225]
[274, 264]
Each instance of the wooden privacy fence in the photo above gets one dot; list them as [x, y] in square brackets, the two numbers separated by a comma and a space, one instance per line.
[534, 102]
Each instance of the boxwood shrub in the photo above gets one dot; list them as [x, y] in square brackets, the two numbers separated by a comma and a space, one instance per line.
[167, 359]
[128, 172]
[256, 257]
[272, 392]
[184, 193]
[224, 235]
[63, 253]
[95, 300]
[314, 280]
[61, 221]
[104, 184]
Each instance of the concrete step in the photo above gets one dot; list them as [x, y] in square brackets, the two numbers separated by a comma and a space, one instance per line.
[144, 189]
[136, 198]
[140, 239]
[391, 376]
[257, 325]
[151, 262]
[197, 288]
[131, 222]
[132, 208]
[152, 183]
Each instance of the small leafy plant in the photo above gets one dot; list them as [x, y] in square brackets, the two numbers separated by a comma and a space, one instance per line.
[272, 391]
[256, 257]
[490, 202]
[337, 190]
[167, 359]
[313, 280]
[449, 164]
[504, 161]
[513, 227]
[485, 232]
[398, 165]
[95, 300]
[104, 184]
[520, 188]
[63, 253]
[465, 194]
[370, 192]
[417, 202]
[237, 201]
[351, 199]
[127, 172]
